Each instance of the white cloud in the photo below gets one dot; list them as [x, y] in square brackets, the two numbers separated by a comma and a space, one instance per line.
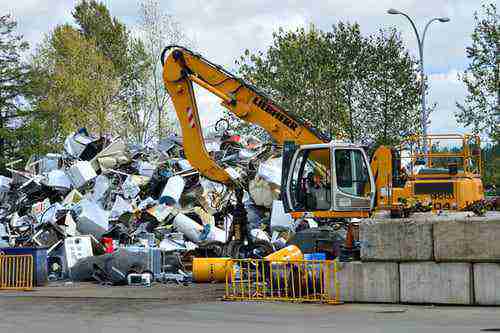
[445, 90]
[450, 77]
[36, 18]
[224, 29]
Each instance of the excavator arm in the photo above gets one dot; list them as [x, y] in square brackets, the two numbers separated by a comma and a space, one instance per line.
[347, 188]
[182, 68]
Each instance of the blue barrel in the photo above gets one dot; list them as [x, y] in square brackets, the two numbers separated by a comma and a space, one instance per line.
[314, 271]
[40, 270]
[315, 256]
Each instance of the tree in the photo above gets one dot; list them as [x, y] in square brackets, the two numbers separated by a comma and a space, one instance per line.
[14, 87]
[80, 84]
[344, 83]
[389, 100]
[110, 35]
[348, 53]
[157, 30]
[491, 160]
[129, 58]
[481, 109]
[296, 73]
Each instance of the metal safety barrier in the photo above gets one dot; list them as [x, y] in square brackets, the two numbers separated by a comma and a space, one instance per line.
[16, 272]
[290, 281]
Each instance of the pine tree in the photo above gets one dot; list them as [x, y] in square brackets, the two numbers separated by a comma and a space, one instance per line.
[14, 85]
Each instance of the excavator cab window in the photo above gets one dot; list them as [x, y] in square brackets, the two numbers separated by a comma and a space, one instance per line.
[352, 173]
[310, 183]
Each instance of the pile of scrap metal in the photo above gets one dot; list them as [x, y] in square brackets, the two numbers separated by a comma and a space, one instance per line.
[105, 209]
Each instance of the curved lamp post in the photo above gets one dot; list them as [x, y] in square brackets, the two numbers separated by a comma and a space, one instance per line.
[420, 42]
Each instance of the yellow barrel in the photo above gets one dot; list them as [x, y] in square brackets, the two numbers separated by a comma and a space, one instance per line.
[288, 253]
[211, 269]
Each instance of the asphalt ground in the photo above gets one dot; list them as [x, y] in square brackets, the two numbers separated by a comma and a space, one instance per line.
[45, 314]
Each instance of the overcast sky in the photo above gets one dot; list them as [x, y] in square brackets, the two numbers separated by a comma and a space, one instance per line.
[223, 29]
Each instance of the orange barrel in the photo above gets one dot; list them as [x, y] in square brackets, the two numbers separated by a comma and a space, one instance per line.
[211, 269]
[289, 253]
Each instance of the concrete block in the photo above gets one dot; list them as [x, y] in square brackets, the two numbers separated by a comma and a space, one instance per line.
[487, 283]
[474, 240]
[396, 240]
[368, 282]
[430, 282]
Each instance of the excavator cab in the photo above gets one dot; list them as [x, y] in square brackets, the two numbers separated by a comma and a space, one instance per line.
[327, 180]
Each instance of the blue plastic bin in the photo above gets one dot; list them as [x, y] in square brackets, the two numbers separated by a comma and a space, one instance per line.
[315, 256]
[40, 270]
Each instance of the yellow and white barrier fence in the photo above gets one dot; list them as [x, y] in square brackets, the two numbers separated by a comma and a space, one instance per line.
[291, 281]
[16, 272]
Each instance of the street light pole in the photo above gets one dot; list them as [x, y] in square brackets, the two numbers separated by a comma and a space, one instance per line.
[420, 42]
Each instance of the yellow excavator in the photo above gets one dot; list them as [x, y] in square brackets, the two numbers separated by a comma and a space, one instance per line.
[321, 178]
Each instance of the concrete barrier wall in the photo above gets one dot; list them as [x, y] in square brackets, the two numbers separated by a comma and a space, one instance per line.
[368, 282]
[419, 283]
[487, 283]
[430, 282]
[467, 241]
[396, 240]
[453, 258]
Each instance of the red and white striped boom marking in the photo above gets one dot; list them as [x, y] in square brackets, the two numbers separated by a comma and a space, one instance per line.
[191, 117]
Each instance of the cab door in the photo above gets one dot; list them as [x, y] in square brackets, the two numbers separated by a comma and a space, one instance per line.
[354, 187]
[308, 184]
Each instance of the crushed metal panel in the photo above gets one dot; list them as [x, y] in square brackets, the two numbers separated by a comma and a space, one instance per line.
[81, 173]
[92, 219]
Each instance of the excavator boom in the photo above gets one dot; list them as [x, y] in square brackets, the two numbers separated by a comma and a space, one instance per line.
[182, 67]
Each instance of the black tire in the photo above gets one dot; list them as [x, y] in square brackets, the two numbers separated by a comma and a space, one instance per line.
[265, 248]
[211, 249]
[221, 125]
[232, 249]
[237, 250]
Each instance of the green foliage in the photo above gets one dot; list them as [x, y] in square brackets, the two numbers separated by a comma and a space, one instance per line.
[110, 35]
[129, 58]
[389, 102]
[94, 74]
[345, 84]
[481, 109]
[491, 165]
[17, 133]
[142, 95]
[296, 73]
[80, 84]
